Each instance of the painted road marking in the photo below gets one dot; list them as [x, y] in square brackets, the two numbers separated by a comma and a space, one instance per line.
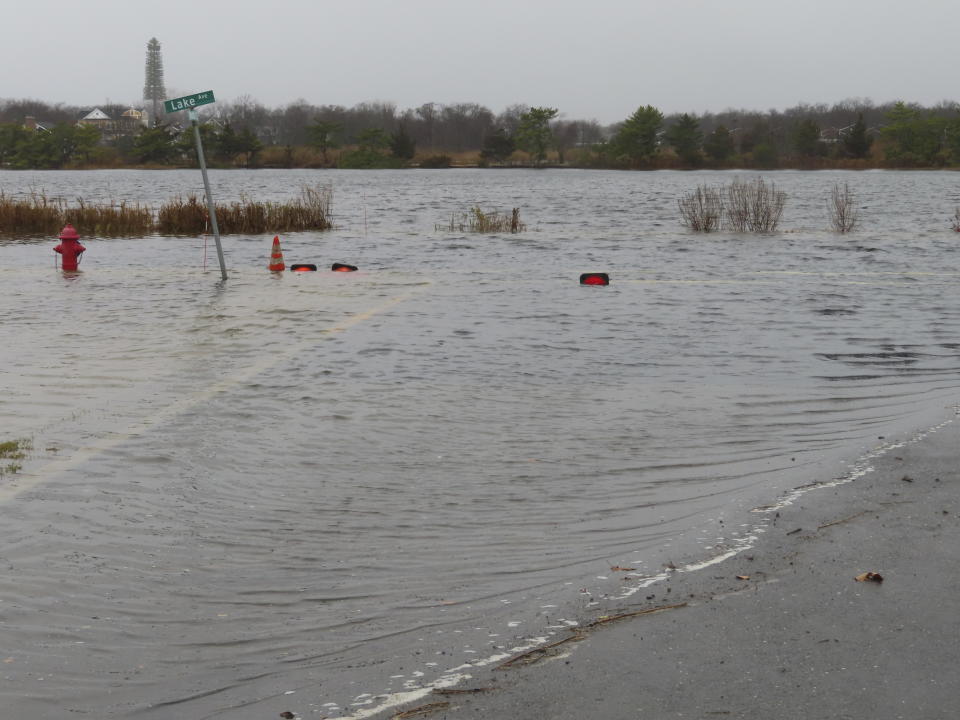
[28, 481]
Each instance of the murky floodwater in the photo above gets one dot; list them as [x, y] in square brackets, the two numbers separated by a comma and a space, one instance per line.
[311, 491]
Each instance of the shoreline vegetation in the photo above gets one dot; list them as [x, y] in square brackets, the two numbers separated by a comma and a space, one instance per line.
[851, 135]
[38, 214]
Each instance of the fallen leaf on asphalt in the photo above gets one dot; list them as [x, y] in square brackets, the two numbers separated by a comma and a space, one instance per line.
[869, 576]
[617, 568]
[743, 577]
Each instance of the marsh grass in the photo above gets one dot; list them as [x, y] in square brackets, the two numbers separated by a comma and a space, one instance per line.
[477, 221]
[123, 219]
[10, 452]
[311, 211]
[38, 214]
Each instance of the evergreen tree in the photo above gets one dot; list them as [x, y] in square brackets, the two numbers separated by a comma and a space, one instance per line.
[153, 90]
[805, 138]
[497, 146]
[156, 145]
[401, 144]
[719, 145]
[533, 133]
[321, 134]
[857, 143]
[685, 137]
[637, 137]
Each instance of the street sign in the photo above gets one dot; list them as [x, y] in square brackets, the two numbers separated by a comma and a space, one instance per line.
[189, 101]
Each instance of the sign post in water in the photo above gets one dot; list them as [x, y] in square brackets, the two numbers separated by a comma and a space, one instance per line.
[191, 103]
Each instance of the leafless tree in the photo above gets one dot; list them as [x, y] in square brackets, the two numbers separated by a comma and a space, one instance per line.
[754, 206]
[702, 209]
[842, 207]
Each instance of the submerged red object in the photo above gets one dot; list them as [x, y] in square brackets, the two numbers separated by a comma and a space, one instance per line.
[303, 267]
[594, 279]
[342, 267]
[70, 248]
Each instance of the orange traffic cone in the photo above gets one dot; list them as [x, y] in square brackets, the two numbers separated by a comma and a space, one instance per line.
[276, 256]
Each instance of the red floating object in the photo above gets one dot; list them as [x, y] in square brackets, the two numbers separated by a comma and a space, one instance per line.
[341, 267]
[303, 267]
[594, 279]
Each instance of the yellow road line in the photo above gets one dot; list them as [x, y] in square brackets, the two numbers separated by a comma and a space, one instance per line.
[25, 482]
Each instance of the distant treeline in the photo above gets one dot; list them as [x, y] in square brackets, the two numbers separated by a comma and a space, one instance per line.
[851, 134]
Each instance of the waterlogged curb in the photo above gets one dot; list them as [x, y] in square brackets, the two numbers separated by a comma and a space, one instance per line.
[780, 628]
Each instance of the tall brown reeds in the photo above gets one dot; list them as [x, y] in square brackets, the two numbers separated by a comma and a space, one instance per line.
[477, 221]
[702, 209]
[184, 217]
[123, 219]
[38, 214]
[842, 209]
[311, 211]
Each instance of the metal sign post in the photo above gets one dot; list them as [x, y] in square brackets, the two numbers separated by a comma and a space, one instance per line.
[190, 103]
[206, 187]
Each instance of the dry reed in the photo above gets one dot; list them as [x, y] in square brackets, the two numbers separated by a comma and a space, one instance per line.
[40, 215]
[477, 221]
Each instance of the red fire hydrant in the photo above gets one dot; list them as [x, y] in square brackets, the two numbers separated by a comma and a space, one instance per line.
[70, 248]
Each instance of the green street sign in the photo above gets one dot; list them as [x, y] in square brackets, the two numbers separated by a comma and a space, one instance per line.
[189, 101]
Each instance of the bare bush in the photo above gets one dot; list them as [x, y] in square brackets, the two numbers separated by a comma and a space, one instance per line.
[843, 212]
[754, 206]
[702, 209]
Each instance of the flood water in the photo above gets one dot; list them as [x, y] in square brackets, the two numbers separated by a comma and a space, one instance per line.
[320, 493]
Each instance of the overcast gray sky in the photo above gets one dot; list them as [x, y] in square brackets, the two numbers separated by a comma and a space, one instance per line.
[594, 59]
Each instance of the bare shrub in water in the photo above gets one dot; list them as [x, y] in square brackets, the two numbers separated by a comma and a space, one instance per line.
[702, 209]
[754, 206]
[477, 221]
[843, 212]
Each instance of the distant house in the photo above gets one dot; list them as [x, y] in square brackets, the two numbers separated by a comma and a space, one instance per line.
[98, 119]
[831, 134]
[33, 125]
[130, 122]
